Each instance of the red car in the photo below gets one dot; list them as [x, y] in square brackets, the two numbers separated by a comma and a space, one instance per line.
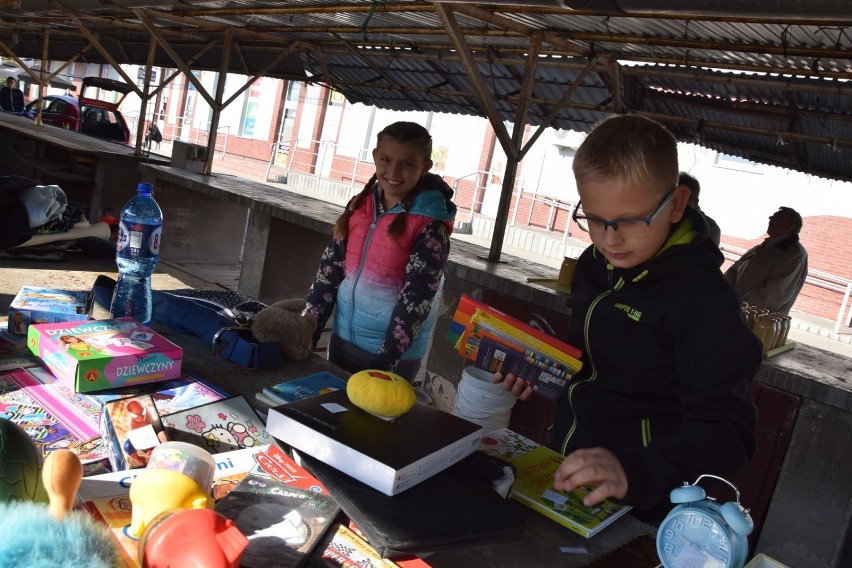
[95, 117]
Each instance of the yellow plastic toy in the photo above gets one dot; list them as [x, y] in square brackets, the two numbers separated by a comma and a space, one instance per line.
[155, 491]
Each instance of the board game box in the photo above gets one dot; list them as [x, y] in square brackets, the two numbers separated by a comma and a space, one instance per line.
[46, 305]
[102, 354]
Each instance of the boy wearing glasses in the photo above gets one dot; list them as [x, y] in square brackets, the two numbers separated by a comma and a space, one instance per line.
[663, 395]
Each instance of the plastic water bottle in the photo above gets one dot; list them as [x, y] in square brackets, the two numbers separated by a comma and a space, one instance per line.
[137, 251]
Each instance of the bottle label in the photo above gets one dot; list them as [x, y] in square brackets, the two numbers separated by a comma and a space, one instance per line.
[138, 240]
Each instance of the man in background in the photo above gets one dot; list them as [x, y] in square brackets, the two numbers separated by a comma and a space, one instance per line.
[11, 97]
[772, 274]
[694, 190]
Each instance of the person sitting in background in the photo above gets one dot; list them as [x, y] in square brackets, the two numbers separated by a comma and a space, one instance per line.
[11, 97]
[694, 190]
[663, 395]
[772, 274]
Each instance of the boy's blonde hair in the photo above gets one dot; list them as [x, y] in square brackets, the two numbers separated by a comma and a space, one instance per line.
[630, 148]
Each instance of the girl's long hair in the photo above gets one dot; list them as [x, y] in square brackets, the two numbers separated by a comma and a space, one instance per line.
[409, 133]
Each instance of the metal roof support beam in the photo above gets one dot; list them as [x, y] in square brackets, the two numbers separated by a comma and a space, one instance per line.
[487, 100]
[179, 63]
[146, 95]
[374, 67]
[217, 110]
[94, 41]
[559, 105]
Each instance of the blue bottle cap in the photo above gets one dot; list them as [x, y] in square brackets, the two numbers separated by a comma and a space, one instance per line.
[144, 188]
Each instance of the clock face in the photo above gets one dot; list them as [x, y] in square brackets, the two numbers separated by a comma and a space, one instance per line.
[694, 538]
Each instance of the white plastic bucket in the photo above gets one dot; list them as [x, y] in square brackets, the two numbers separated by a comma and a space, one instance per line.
[481, 401]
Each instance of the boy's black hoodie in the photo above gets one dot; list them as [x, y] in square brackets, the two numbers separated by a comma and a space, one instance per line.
[668, 361]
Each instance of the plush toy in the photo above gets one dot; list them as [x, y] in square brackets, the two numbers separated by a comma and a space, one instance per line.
[284, 324]
[36, 535]
[381, 393]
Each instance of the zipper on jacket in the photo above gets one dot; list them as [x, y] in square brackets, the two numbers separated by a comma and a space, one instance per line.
[646, 432]
[367, 239]
[591, 361]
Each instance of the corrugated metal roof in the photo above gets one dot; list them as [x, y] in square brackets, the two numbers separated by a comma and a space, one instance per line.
[784, 97]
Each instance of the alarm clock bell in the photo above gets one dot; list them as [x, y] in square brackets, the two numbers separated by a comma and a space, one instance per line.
[699, 531]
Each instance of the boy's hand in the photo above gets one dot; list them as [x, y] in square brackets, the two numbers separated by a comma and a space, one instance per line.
[594, 467]
[519, 387]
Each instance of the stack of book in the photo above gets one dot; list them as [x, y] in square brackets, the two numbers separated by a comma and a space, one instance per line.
[497, 342]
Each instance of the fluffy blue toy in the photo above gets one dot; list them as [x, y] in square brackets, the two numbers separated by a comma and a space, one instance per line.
[32, 538]
[33, 532]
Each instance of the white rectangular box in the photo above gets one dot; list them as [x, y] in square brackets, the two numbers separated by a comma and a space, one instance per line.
[388, 455]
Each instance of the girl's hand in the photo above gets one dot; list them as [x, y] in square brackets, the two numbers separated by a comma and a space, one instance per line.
[597, 468]
[519, 387]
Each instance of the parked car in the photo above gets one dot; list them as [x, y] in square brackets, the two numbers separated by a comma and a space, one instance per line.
[92, 116]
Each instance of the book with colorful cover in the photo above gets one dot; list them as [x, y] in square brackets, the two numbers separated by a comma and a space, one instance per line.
[348, 548]
[283, 523]
[303, 387]
[547, 345]
[547, 378]
[471, 312]
[221, 426]
[14, 353]
[535, 467]
[276, 464]
[48, 431]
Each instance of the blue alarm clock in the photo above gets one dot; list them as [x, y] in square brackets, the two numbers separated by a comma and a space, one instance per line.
[702, 532]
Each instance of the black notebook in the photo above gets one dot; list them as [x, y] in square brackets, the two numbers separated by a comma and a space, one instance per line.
[455, 508]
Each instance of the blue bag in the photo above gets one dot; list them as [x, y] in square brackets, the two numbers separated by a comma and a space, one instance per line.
[221, 318]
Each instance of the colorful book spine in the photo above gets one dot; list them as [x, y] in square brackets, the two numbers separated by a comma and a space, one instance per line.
[551, 346]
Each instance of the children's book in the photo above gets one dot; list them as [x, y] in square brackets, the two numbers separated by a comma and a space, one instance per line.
[14, 353]
[535, 467]
[170, 396]
[297, 389]
[275, 464]
[283, 523]
[496, 341]
[548, 379]
[47, 431]
[132, 428]
[348, 548]
[221, 426]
